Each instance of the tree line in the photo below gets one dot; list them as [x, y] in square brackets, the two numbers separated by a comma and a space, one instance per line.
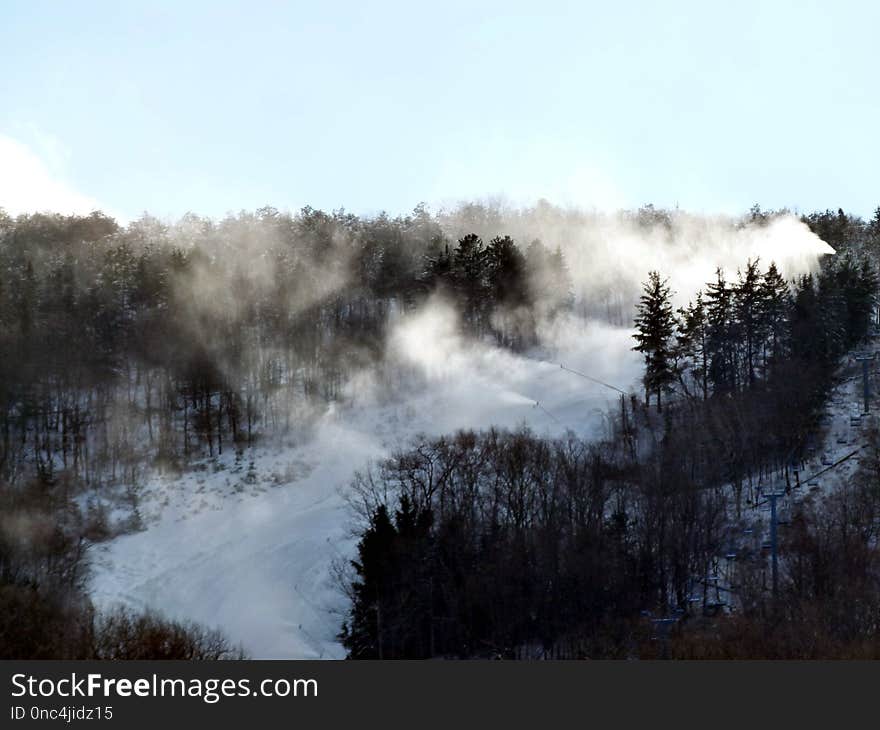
[125, 345]
[504, 544]
[735, 334]
[127, 349]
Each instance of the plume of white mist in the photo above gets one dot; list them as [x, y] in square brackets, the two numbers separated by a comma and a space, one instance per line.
[609, 254]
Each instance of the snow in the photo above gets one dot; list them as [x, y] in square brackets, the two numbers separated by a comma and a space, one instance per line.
[252, 549]
[843, 432]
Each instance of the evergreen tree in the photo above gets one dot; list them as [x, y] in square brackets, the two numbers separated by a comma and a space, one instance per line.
[505, 268]
[692, 342]
[747, 301]
[469, 278]
[363, 635]
[438, 269]
[655, 326]
[392, 605]
[549, 279]
[775, 306]
[721, 335]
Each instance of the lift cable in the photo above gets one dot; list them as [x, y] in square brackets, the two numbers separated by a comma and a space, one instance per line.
[538, 405]
[595, 380]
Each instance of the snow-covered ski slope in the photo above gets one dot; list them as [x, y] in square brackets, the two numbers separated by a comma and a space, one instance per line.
[249, 544]
[844, 432]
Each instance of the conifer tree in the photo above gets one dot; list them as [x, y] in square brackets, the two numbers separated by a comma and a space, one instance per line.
[747, 296]
[775, 306]
[363, 635]
[506, 272]
[655, 326]
[469, 277]
[721, 335]
[692, 342]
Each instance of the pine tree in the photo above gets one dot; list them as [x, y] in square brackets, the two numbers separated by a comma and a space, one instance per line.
[747, 300]
[438, 269]
[505, 267]
[775, 306]
[392, 605]
[692, 341]
[469, 277]
[363, 634]
[721, 335]
[561, 278]
[655, 326]
[549, 279]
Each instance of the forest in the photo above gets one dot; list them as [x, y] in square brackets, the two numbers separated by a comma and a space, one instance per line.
[146, 346]
[506, 545]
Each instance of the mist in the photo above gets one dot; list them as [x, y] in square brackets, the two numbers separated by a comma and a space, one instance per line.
[256, 549]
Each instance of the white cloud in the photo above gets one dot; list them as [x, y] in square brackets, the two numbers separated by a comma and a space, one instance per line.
[30, 183]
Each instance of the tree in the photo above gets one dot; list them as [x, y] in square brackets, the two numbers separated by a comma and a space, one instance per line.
[776, 304]
[655, 325]
[721, 335]
[747, 296]
[692, 341]
[506, 272]
[469, 277]
[392, 607]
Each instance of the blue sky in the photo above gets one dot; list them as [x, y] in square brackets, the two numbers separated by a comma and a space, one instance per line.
[218, 106]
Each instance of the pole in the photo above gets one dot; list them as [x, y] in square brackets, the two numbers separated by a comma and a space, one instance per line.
[773, 545]
[865, 358]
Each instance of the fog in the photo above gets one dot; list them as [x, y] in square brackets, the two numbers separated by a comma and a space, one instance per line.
[259, 561]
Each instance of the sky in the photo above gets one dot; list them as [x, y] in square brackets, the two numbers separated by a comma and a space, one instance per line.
[214, 107]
